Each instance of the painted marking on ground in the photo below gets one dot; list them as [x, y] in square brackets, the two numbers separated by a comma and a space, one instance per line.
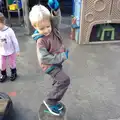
[12, 94]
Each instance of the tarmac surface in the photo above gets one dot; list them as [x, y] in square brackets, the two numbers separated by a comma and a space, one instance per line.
[94, 93]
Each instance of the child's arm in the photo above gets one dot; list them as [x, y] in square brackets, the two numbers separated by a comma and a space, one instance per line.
[15, 41]
[56, 18]
[56, 13]
[46, 58]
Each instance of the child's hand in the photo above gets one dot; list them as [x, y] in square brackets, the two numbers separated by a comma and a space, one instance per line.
[18, 53]
[53, 4]
[66, 53]
[62, 49]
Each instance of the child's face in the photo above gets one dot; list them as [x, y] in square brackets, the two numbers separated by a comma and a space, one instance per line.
[1, 26]
[44, 27]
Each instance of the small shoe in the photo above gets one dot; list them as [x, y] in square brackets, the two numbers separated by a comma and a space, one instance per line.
[53, 109]
[13, 74]
[13, 77]
[60, 106]
[3, 78]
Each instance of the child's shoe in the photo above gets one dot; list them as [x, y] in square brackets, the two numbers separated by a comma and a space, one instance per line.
[3, 76]
[60, 106]
[13, 74]
[54, 109]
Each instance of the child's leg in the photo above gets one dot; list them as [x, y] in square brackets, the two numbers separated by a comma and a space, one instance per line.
[60, 85]
[3, 62]
[12, 64]
[3, 68]
[12, 60]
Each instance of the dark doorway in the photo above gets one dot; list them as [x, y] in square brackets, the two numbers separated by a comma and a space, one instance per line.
[105, 32]
[66, 7]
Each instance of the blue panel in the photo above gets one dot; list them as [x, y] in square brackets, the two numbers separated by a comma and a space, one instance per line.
[77, 10]
[77, 15]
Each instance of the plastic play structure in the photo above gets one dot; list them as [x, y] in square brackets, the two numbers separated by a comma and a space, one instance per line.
[98, 21]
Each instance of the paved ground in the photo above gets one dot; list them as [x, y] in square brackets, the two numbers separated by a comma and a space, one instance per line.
[94, 93]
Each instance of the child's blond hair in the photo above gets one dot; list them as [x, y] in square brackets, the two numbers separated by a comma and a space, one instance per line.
[38, 13]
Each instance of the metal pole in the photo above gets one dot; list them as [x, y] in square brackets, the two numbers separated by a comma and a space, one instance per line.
[27, 23]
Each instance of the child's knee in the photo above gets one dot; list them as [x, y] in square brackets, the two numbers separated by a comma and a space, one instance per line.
[67, 81]
[62, 79]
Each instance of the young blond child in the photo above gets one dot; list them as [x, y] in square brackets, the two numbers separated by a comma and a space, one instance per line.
[50, 51]
[9, 48]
